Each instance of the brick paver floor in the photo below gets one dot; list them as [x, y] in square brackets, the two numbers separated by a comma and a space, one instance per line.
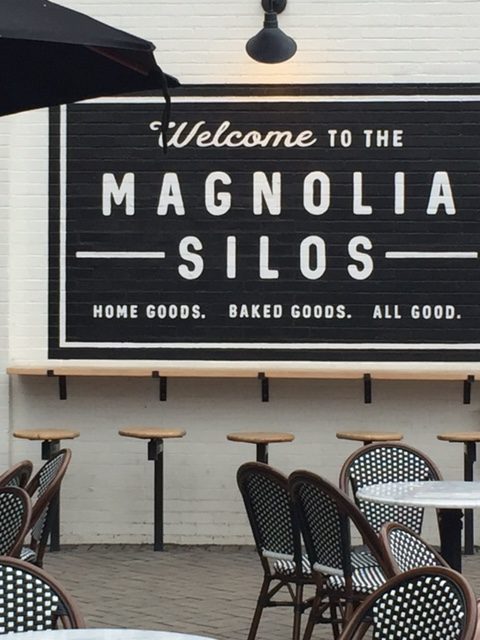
[203, 591]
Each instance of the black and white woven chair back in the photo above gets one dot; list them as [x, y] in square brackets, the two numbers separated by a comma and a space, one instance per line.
[325, 529]
[32, 601]
[18, 475]
[405, 550]
[267, 502]
[433, 603]
[48, 482]
[15, 514]
[387, 463]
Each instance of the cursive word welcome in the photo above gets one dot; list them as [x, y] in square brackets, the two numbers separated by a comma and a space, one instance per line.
[185, 133]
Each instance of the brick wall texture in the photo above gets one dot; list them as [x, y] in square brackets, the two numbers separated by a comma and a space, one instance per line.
[107, 495]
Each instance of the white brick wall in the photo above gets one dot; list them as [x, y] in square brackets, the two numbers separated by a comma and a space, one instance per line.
[107, 494]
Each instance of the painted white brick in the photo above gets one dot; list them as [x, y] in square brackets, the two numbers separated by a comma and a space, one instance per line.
[107, 495]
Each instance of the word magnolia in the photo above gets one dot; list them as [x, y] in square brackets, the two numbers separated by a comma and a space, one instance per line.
[267, 192]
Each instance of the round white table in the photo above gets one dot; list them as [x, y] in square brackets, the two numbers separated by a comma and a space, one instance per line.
[449, 496]
[104, 634]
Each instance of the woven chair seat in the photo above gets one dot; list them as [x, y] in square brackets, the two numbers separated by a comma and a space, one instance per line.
[359, 559]
[28, 555]
[288, 567]
[364, 580]
[362, 558]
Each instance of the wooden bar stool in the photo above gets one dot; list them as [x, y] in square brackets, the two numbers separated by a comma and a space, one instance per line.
[50, 446]
[155, 437]
[367, 437]
[261, 439]
[469, 440]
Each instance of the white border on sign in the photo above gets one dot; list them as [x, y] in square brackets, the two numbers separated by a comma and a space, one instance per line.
[266, 346]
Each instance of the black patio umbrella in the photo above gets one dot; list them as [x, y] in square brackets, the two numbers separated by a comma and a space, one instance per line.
[52, 55]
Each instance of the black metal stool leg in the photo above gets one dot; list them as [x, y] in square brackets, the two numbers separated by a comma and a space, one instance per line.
[470, 455]
[155, 453]
[450, 521]
[49, 449]
[262, 453]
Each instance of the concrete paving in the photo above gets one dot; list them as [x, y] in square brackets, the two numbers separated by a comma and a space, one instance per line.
[203, 591]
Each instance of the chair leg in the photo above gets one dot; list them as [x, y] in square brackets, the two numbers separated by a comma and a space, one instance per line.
[348, 611]
[317, 601]
[261, 601]
[297, 611]
[334, 607]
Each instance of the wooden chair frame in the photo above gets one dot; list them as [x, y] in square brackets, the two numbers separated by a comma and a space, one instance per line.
[18, 475]
[362, 619]
[342, 601]
[295, 582]
[348, 485]
[68, 612]
[390, 558]
[47, 501]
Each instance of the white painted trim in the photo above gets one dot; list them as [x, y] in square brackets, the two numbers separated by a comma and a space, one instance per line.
[263, 346]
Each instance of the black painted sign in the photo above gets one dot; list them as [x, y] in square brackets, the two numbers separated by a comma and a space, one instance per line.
[275, 228]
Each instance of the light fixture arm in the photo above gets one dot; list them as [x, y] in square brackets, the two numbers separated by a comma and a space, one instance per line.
[274, 5]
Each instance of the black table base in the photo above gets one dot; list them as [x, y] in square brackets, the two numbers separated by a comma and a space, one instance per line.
[450, 521]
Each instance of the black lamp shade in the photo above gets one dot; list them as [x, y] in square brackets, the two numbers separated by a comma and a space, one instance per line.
[271, 44]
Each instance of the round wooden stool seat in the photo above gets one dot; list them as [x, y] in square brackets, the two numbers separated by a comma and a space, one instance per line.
[367, 437]
[460, 436]
[261, 439]
[469, 440]
[151, 433]
[46, 434]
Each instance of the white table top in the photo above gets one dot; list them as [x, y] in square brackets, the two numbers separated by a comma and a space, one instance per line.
[443, 494]
[103, 634]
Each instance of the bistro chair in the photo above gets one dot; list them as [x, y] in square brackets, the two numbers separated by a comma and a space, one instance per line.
[387, 462]
[18, 475]
[434, 602]
[50, 440]
[44, 489]
[342, 575]
[15, 515]
[277, 540]
[31, 600]
[405, 550]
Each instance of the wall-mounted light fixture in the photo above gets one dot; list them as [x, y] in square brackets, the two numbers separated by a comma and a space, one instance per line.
[271, 44]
